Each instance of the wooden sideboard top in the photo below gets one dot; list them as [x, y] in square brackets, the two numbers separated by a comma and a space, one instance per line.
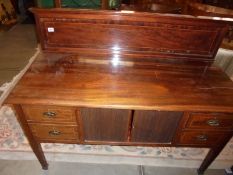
[124, 82]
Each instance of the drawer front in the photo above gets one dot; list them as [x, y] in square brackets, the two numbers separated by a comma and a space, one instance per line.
[49, 113]
[201, 138]
[53, 132]
[210, 121]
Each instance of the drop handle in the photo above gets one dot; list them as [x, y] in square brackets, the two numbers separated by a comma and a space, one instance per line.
[202, 137]
[50, 114]
[213, 122]
[54, 133]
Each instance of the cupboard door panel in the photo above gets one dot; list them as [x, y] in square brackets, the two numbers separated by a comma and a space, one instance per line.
[154, 126]
[105, 124]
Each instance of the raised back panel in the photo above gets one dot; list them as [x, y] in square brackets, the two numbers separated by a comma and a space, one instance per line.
[67, 30]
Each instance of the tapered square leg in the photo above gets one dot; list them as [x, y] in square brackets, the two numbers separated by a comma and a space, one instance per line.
[213, 153]
[35, 145]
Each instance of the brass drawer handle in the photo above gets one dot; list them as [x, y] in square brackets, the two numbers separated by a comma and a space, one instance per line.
[202, 137]
[213, 122]
[54, 133]
[50, 114]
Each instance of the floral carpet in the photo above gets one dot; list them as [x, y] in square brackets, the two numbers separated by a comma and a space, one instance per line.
[12, 139]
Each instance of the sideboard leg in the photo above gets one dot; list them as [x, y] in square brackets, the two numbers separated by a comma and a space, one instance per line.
[212, 154]
[36, 147]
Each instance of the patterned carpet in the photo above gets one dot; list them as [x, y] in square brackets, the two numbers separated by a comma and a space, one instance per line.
[12, 139]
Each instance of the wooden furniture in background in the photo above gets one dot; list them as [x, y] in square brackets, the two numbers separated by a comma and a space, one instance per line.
[129, 79]
[198, 9]
[153, 8]
[220, 3]
[208, 10]
[164, 2]
[104, 4]
[57, 3]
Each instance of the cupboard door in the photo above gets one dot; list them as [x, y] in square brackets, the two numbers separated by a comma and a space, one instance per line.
[154, 126]
[105, 124]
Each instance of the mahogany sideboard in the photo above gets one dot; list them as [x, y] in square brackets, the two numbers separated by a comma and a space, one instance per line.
[125, 78]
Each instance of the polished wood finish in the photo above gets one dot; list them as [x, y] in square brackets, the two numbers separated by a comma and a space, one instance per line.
[34, 143]
[199, 9]
[49, 113]
[220, 3]
[54, 132]
[153, 8]
[95, 81]
[198, 128]
[164, 2]
[210, 129]
[57, 3]
[214, 121]
[104, 4]
[154, 126]
[105, 124]
[200, 138]
[129, 33]
[129, 79]
[213, 153]
[226, 15]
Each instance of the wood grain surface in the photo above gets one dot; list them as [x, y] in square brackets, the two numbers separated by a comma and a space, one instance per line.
[80, 80]
[161, 35]
[155, 126]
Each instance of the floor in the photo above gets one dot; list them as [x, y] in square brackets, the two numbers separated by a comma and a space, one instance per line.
[63, 168]
[16, 47]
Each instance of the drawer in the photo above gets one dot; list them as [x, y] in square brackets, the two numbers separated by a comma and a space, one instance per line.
[49, 113]
[201, 138]
[51, 132]
[210, 121]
